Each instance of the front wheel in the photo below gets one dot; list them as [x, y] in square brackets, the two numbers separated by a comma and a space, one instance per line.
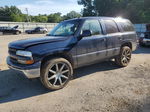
[44, 32]
[124, 58]
[56, 73]
[17, 33]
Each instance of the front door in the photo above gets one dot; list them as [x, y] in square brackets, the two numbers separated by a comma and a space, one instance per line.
[93, 48]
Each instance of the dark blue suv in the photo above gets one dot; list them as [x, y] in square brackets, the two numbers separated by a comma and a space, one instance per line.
[71, 44]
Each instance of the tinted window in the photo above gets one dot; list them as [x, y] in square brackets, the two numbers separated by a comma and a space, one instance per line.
[111, 26]
[127, 26]
[93, 26]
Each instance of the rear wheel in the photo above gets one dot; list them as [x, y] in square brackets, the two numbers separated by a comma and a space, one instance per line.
[56, 73]
[124, 58]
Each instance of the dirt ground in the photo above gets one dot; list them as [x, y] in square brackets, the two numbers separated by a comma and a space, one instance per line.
[101, 87]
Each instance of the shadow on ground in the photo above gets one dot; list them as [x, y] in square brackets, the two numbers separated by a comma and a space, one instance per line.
[14, 86]
[142, 50]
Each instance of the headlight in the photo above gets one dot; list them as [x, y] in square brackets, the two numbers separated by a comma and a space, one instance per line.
[24, 53]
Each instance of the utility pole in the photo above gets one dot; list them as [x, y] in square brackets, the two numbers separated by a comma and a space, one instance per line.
[26, 9]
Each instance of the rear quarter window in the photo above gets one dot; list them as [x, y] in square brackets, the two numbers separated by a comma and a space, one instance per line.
[111, 26]
[127, 26]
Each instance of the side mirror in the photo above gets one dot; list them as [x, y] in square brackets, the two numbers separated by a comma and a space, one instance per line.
[86, 33]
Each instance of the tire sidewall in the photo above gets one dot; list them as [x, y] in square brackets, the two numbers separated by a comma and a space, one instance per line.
[45, 70]
[119, 58]
[123, 49]
[17, 33]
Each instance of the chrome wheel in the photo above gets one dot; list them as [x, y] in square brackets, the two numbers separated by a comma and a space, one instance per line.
[126, 56]
[58, 74]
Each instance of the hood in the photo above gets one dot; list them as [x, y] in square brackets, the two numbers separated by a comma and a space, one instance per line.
[22, 44]
[15, 27]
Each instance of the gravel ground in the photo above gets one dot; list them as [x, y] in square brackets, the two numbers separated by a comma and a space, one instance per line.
[101, 87]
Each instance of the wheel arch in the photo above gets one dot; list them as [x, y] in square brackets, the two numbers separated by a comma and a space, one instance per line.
[129, 44]
[64, 55]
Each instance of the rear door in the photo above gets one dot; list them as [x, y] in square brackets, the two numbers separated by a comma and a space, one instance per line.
[113, 36]
[93, 48]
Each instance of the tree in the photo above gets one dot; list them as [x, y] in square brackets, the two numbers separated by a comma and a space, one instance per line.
[16, 17]
[54, 18]
[14, 14]
[137, 11]
[9, 13]
[71, 15]
[40, 18]
[88, 9]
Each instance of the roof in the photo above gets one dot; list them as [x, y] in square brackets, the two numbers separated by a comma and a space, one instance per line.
[101, 17]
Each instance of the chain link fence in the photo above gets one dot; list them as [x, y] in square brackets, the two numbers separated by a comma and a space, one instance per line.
[27, 25]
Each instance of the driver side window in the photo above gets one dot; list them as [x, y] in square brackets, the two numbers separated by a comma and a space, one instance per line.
[93, 26]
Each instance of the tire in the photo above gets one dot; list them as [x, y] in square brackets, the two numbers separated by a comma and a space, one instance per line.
[44, 32]
[1, 33]
[17, 33]
[124, 58]
[56, 73]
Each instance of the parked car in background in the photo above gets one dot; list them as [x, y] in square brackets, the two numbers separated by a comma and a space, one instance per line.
[144, 39]
[72, 44]
[10, 30]
[37, 30]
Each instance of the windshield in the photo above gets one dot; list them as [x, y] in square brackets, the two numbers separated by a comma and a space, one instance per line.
[66, 28]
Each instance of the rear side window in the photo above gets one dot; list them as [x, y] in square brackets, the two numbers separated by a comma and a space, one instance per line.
[127, 26]
[111, 26]
[93, 26]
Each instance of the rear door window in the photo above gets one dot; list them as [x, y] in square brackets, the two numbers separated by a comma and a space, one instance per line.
[111, 26]
[93, 26]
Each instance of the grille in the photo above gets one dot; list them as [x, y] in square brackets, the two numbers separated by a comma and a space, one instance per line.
[12, 53]
[13, 60]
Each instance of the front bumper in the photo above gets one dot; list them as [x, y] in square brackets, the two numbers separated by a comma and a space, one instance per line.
[30, 71]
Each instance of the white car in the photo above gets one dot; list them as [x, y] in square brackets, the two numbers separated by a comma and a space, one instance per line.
[145, 39]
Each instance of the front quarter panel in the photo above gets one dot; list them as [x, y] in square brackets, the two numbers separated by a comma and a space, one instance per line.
[42, 50]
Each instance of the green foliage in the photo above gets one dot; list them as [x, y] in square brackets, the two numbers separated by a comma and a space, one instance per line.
[14, 14]
[39, 18]
[54, 18]
[137, 11]
[89, 8]
[71, 15]
[9, 13]
[16, 17]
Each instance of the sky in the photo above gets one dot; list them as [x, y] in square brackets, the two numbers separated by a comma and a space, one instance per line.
[36, 7]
